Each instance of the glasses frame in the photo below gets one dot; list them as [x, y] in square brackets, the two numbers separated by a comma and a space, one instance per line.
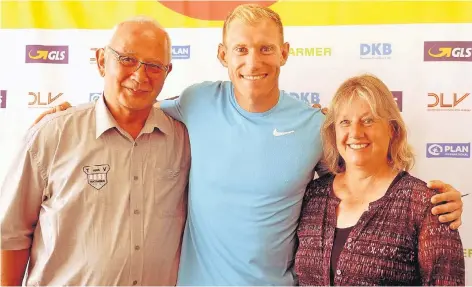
[120, 58]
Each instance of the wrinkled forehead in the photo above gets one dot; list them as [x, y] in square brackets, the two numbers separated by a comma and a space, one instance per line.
[143, 40]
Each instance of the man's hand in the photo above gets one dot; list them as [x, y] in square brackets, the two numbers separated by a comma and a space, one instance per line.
[318, 106]
[61, 107]
[450, 203]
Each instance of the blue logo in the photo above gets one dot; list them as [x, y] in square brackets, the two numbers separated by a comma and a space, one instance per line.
[181, 52]
[455, 150]
[94, 96]
[376, 51]
[310, 98]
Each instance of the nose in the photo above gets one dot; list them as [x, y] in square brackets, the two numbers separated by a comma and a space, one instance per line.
[356, 130]
[140, 75]
[253, 59]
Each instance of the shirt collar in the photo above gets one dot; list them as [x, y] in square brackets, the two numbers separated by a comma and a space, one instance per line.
[105, 121]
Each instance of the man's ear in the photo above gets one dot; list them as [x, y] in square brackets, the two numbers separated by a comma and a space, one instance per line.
[169, 69]
[222, 55]
[100, 56]
[285, 51]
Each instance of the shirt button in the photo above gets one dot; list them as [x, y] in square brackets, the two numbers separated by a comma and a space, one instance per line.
[349, 240]
[135, 177]
[136, 211]
[338, 272]
[137, 247]
[135, 282]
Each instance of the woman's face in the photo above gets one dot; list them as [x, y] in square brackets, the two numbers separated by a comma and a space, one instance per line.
[361, 139]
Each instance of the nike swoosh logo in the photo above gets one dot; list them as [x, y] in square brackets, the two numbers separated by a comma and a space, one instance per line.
[278, 134]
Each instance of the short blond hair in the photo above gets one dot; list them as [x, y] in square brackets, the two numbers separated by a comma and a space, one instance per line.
[252, 14]
[383, 105]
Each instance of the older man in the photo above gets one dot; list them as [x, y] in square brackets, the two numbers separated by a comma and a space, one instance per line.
[97, 194]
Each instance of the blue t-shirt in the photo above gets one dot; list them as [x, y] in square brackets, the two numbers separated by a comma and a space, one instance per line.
[247, 179]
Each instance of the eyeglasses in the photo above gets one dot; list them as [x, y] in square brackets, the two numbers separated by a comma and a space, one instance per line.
[153, 70]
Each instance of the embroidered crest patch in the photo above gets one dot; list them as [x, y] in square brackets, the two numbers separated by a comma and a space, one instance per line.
[97, 175]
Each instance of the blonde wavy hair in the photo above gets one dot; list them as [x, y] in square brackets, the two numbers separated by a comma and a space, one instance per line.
[252, 14]
[383, 105]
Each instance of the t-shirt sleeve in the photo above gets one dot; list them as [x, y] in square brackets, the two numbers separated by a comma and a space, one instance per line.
[181, 106]
[173, 108]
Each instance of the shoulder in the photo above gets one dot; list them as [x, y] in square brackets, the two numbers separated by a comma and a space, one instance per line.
[416, 188]
[171, 125]
[301, 110]
[52, 123]
[319, 187]
[207, 88]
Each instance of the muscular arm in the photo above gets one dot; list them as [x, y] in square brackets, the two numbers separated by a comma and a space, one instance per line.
[13, 266]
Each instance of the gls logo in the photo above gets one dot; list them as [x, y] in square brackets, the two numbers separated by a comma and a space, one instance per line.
[47, 54]
[454, 150]
[307, 97]
[448, 51]
[39, 100]
[181, 52]
[376, 51]
[447, 103]
[3, 99]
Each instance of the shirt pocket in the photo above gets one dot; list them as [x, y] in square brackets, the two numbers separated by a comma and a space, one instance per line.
[170, 192]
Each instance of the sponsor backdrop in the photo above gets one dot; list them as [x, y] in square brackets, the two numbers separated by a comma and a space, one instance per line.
[422, 50]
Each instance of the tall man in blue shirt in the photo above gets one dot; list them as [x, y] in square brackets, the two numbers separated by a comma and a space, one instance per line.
[254, 149]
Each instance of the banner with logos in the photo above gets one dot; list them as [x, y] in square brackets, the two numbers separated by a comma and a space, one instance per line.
[423, 55]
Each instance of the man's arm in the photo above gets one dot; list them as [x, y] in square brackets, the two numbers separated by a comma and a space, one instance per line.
[21, 196]
[13, 266]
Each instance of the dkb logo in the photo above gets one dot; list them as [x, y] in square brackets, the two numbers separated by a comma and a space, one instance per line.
[376, 51]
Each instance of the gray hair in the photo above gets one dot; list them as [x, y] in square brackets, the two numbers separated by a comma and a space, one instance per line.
[144, 19]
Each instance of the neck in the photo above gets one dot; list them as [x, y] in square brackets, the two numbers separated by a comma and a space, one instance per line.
[361, 178]
[130, 121]
[258, 104]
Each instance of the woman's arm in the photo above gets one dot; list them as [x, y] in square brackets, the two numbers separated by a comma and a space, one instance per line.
[440, 253]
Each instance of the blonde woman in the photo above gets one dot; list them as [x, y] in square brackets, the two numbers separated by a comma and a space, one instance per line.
[370, 221]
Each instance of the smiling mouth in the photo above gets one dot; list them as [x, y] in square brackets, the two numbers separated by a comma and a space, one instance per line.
[254, 77]
[358, 146]
[137, 91]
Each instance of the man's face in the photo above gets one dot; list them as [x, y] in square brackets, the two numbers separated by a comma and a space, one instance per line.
[126, 86]
[253, 55]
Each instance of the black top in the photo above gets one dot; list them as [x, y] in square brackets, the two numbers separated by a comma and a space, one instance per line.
[340, 237]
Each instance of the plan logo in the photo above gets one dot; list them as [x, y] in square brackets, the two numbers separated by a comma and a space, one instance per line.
[310, 98]
[398, 97]
[376, 51]
[43, 100]
[181, 52]
[448, 51]
[454, 150]
[94, 97]
[449, 103]
[47, 54]
[310, 52]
